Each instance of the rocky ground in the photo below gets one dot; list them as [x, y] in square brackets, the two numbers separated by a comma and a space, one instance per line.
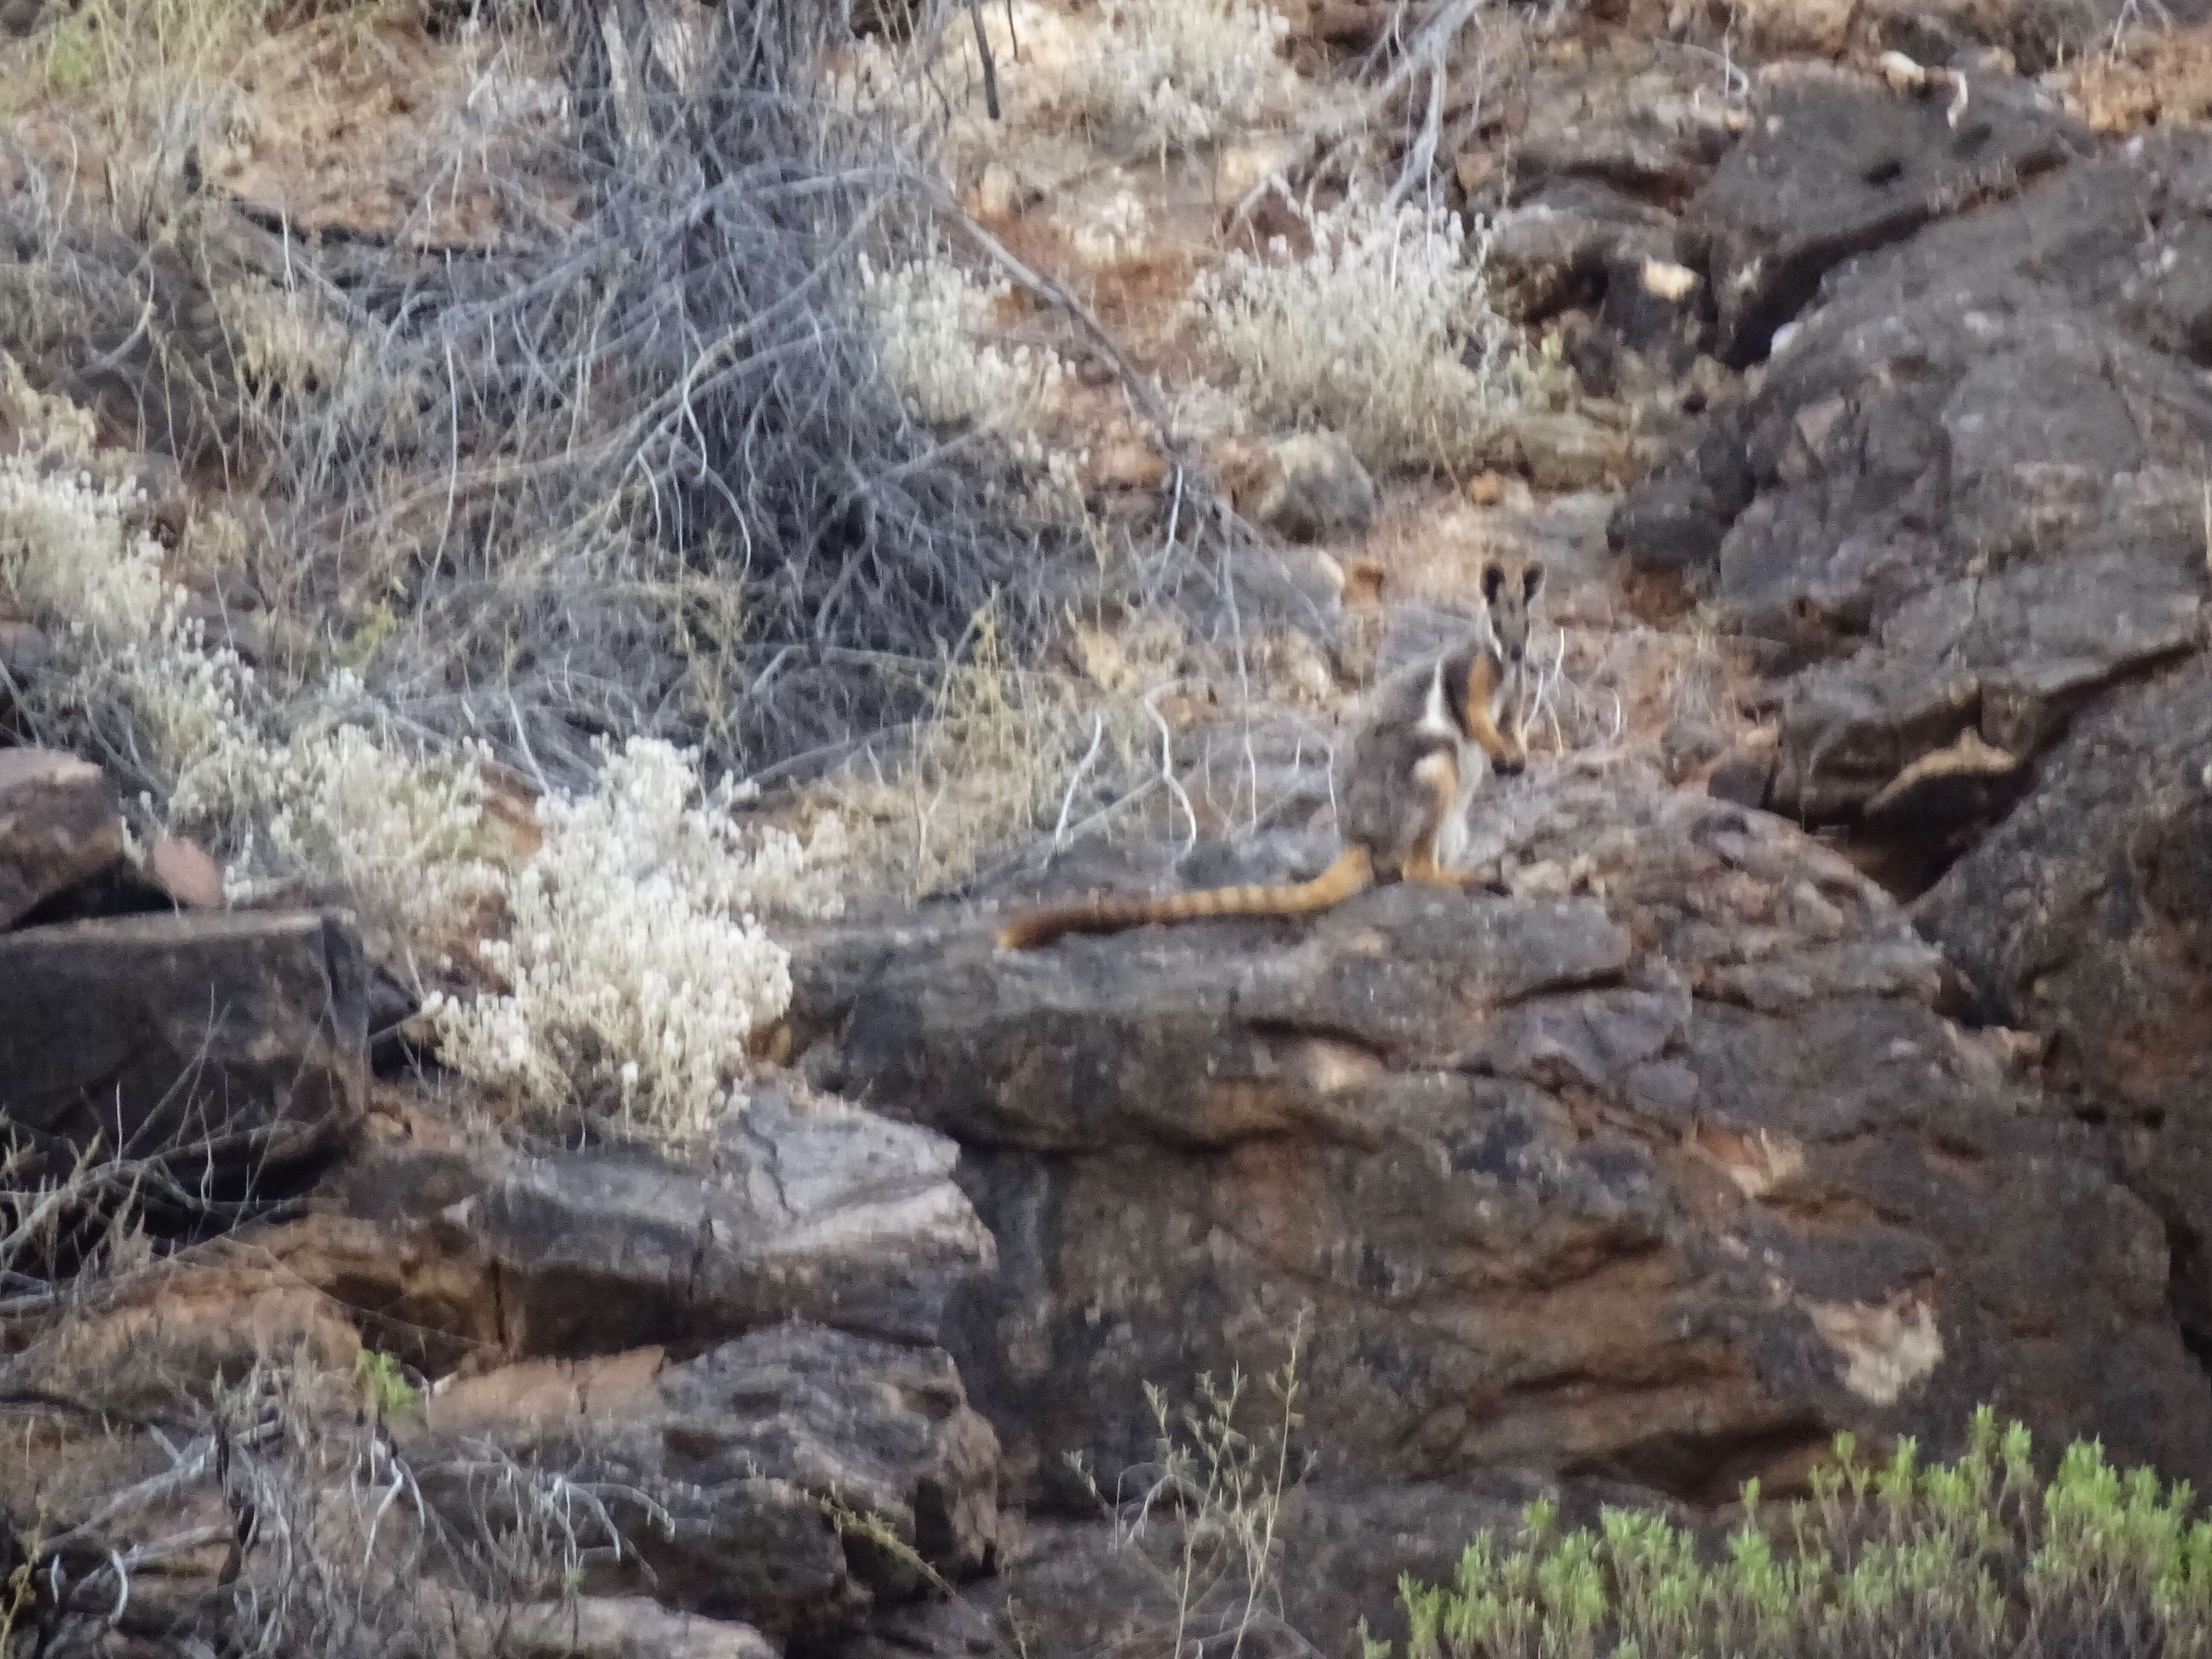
[1835, 1054]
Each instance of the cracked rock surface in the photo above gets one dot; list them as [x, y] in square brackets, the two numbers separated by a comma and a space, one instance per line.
[1662, 1168]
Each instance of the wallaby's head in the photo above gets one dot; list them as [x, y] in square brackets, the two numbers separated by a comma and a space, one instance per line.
[1510, 596]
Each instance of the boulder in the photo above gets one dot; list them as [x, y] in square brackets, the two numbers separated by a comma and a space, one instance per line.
[185, 1329]
[1966, 499]
[1835, 164]
[184, 873]
[234, 1044]
[736, 1478]
[2086, 917]
[25, 649]
[1564, 245]
[1662, 1168]
[61, 822]
[802, 1207]
[1310, 487]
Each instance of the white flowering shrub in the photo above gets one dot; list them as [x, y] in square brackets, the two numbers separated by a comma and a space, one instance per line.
[633, 970]
[1164, 75]
[400, 834]
[636, 966]
[1384, 333]
[1107, 232]
[67, 554]
[935, 320]
[1186, 70]
[70, 559]
[403, 834]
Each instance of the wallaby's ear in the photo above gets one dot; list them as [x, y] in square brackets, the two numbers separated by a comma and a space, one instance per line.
[1532, 580]
[1493, 581]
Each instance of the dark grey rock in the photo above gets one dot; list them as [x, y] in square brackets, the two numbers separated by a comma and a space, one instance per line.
[61, 824]
[1667, 1167]
[801, 1208]
[2086, 916]
[1835, 164]
[236, 1043]
[724, 1471]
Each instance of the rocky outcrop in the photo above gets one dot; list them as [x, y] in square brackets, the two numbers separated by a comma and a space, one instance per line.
[2083, 917]
[1961, 513]
[237, 1043]
[615, 1627]
[1072, 1588]
[1967, 494]
[732, 1477]
[1966, 498]
[1662, 1168]
[1835, 164]
[803, 1208]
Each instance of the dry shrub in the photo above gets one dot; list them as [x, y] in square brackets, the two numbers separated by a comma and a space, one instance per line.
[1384, 333]
[636, 469]
[1152, 77]
[1001, 750]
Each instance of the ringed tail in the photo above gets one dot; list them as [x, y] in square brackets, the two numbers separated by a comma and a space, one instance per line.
[1352, 872]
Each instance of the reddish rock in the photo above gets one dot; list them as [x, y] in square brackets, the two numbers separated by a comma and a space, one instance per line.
[236, 1044]
[185, 873]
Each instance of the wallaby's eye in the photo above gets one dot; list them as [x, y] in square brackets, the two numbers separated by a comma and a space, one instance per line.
[1493, 580]
[1531, 579]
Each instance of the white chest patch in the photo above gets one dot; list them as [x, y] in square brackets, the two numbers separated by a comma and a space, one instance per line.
[1436, 711]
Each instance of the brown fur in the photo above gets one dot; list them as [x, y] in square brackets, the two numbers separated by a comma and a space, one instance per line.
[1402, 804]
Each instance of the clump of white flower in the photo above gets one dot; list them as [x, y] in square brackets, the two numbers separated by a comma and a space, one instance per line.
[636, 964]
[61, 427]
[400, 834]
[70, 558]
[1187, 68]
[403, 835]
[1384, 333]
[1109, 232]
[936, 328]
[67, 553]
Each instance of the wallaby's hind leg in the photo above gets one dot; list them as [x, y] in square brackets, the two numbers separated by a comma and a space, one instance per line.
[1437, 774]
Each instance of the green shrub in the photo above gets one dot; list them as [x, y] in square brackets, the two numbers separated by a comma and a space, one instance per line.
[384, 1381]
[1976, 1556]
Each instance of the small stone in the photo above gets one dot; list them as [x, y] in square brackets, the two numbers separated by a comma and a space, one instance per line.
[1313, 488]
[1474, 168]
[1742, 778]
[1132, 466]
[1243, 168]
[1363, 582]
[24, 650]
[184, 872]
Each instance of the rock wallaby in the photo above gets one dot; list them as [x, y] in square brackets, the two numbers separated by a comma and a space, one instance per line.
[1403, 799]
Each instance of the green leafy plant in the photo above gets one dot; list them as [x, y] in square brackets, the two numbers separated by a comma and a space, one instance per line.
[383, 1382]
[1980, 1556]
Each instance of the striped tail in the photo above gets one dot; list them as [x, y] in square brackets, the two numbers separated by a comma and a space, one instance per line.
[1352, 872]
